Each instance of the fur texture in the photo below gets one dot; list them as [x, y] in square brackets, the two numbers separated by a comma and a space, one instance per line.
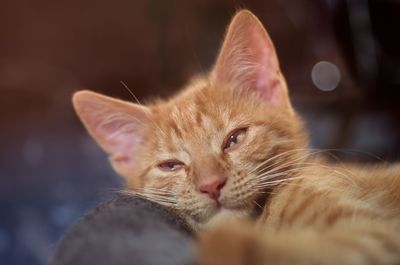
[230, 147]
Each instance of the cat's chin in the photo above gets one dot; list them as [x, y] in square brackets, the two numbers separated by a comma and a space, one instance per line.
[218, 216]
[218, 212]
[226, 215]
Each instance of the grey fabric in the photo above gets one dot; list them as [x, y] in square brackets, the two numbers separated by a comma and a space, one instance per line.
[124, 231]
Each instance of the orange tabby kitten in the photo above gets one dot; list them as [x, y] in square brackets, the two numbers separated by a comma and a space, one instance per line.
[231, 147]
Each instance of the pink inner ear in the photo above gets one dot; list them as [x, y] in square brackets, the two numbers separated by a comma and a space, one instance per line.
[269, 90]
[266, 77]
[121, 138]
[248, 58]
[117, 126]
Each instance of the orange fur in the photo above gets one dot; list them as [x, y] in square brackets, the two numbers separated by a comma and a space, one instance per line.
[284, 203]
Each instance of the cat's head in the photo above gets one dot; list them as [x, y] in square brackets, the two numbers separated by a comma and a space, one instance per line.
[215, 147]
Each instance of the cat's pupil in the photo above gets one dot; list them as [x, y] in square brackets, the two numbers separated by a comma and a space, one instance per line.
[233, 139]
[170, 165]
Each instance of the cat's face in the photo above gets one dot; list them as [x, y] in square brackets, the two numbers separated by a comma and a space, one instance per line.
[214, 148]
[205, 147]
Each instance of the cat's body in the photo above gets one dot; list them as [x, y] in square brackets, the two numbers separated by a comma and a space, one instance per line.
[343, 215]
[328, 195]
[230, 148]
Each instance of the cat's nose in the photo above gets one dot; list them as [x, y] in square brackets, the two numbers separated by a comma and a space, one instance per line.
[213, 187]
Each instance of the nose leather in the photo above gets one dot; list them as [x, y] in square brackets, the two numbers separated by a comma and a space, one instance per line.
[212, 187]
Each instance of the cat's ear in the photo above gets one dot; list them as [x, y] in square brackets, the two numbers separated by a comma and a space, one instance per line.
[248, 59]
[117, 126]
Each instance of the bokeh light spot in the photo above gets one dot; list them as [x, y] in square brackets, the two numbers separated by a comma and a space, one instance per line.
[325, 76]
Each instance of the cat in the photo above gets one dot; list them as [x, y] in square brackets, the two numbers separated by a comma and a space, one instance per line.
[229, 154]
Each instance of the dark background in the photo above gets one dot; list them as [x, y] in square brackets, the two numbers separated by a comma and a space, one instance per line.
[51, 171]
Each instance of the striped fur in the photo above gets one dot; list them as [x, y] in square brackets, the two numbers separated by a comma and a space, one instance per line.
[282, 202]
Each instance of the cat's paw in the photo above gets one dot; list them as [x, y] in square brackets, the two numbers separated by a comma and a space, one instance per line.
[229, 244]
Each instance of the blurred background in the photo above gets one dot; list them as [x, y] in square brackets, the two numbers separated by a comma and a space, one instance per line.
[341, 60]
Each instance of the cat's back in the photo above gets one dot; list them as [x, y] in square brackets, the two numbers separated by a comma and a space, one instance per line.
[378, 182]
[326, 194]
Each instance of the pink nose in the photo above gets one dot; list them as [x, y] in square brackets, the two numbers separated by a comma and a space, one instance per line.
[213, 187]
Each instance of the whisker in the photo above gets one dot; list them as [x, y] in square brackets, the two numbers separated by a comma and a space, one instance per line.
[161, 199]
[258, 205]
[267, 175]
[274, 182]
[274, 157]
[349, 150]
[288, 183]
[130, 91]
[308, 154]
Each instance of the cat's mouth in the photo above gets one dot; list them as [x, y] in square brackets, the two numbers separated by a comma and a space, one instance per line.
[213, 211]
[230, 206]
[252, 207]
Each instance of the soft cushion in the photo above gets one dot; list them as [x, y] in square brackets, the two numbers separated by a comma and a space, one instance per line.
[127, 230]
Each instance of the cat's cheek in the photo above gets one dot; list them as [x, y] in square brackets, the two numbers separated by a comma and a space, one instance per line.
[128, 171]
[241, 162]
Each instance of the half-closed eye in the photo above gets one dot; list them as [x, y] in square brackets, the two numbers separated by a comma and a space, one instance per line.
[171, 165]
[234, 139]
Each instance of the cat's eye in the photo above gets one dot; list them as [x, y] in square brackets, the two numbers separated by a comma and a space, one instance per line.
[234, 139]
[171, 165]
